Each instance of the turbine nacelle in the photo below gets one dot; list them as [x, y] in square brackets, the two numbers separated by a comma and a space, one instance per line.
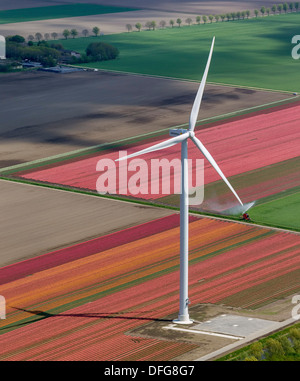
[181, 131]
[177, 131]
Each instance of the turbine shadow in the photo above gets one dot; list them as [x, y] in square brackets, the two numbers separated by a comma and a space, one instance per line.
[100, 315]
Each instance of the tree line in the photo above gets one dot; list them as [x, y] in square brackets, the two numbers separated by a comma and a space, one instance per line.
[53, 53]
[282, 346]
[66, 33]
[152, 25]
[230, 16]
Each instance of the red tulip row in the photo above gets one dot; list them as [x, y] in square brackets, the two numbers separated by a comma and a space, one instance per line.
[238, 146]
[85, 308]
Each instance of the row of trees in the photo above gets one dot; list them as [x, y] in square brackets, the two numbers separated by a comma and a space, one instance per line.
[73, 32]
[279, 8]
[276, 8]
[189, 21]
[66, 34]
[284, 346]
[50, 54]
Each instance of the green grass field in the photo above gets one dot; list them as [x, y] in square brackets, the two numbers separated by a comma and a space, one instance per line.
[282, 212]
[56, 12]
[254, 52]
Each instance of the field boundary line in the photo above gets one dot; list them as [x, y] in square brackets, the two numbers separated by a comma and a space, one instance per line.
[216, 118]
[278, 198]
[254, 88]
[143, 203]
[183, 79]
[87, 193]
[249, 109]
[253, 223]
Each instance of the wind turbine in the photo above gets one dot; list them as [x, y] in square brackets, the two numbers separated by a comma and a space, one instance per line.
[182, 136]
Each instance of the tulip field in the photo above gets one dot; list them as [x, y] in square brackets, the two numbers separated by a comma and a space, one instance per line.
[81, 302]
[256, 141]
[258, 152]
[91, 263]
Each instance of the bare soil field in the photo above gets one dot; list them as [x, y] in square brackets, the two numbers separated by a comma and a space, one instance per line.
[45, 114]
[18, 4]
[108, 23]
[188, 6]
[37, 220]
[116, 22]
[169, 5]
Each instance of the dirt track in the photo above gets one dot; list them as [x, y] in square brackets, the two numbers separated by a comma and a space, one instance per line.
[45, 114]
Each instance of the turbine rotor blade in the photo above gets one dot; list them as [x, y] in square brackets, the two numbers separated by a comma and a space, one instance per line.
[215, 165]
[198, 99]
[167, 143]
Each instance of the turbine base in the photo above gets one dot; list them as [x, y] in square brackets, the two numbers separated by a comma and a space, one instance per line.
[183, 319]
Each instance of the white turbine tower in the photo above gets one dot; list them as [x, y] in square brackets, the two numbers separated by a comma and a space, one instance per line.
[182, 136]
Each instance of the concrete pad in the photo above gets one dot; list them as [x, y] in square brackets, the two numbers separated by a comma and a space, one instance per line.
[236, 325]
[36, 220]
